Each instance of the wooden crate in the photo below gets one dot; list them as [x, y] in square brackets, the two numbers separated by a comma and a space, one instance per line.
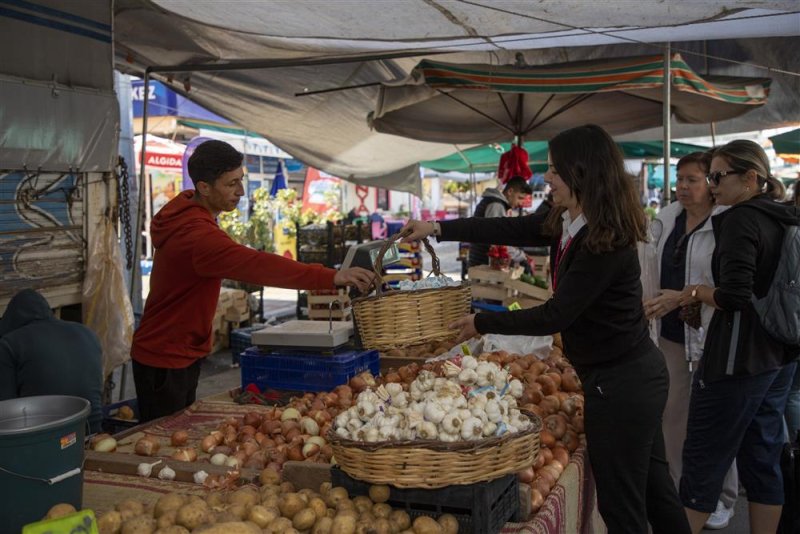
[489, 284]
[517, 287]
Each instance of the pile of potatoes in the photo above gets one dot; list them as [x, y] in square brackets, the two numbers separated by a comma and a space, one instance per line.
[274, 508]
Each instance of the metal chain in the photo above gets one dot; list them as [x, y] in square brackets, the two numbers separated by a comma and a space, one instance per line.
[125, 209]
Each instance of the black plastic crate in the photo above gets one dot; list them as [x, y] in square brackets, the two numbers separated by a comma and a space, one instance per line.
[481, 508]
[113, 424]
[240, 339]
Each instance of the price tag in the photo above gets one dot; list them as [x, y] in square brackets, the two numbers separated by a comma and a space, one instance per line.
[465, 350]
[81, 522]
[514, 306]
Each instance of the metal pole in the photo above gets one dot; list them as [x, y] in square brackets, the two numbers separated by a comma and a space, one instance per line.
[138, 228]
[667, 109]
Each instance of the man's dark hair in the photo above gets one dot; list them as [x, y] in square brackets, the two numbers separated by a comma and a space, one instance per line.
[211, 159]
[518, 183]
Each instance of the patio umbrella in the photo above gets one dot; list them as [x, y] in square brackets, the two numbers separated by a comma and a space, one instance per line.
[787, 145]
[479, 104]
[485, 158]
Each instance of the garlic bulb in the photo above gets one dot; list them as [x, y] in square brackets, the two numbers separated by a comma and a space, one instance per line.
[145, 469]
[200, 477]
[167, 473]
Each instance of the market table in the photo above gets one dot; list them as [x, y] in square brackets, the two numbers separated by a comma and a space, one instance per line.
[571, 506]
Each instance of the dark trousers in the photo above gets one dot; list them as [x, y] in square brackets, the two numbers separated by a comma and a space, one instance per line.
[623, 410]
[162, 391]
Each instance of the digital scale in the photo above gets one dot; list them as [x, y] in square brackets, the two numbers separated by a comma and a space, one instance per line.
[323, 336]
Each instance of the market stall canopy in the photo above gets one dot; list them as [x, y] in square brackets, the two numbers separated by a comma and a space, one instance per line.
[458, 103]
[486, 158]
[787, 143]
[321, 45]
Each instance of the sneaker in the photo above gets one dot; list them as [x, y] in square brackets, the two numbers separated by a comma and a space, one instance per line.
[720, 518]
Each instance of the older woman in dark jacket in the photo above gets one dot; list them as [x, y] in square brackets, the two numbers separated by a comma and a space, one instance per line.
[740, 388]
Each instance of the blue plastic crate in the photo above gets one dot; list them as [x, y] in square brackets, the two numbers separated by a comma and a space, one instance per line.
[305, 372]
[113, 424]
[241, 339]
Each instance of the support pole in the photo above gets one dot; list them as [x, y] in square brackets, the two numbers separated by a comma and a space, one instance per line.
[667, 109]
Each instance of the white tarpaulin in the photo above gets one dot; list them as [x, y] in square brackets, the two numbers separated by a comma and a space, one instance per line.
[57, 105]
[330, 131]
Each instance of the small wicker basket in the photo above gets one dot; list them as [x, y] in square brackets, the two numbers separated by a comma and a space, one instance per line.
[395, 319]
[436, 464]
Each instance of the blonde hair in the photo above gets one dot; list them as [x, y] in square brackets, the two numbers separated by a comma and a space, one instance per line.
[743, 156]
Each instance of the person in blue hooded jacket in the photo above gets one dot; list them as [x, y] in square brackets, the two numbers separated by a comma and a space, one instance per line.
[43, 355]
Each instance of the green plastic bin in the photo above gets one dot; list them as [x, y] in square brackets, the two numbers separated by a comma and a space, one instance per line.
[41, 451]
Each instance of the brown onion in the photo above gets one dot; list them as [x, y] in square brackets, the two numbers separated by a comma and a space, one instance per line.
[146, 446]
[187, 454]
[526, 475]
[536, 500]
[179, 438]
[252, 419]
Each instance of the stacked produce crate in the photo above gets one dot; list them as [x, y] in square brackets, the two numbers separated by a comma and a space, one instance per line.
[329, 304]
[490, 284]
[232, 311]
[408, 268]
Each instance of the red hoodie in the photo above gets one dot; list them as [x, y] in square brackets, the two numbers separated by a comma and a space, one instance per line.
[192, 257]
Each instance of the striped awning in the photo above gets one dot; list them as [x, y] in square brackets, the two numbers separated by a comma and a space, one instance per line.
[467, 103]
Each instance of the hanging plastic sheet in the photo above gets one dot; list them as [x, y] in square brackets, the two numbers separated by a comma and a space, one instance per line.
[106, 307]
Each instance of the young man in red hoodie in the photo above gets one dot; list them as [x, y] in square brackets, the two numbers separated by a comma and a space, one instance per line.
[192, 256]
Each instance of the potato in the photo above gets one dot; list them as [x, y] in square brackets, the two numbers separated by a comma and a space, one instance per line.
[400, 520]
[426, 525]
[379, 493]
[335, 495]
[140, 524]
[289, 504]
[245, 496]
[170, 501]
[232, 527]
[192, 515]
[271, 502]
[362, 504]
[269, 477]
[304, 519]
[262, 516]
[167, 519]
[307, 493]
[448, 523]
[324, 488]
[174, 529]
[225, 516]
[60, 510]
[318, 506]
[322, 526]
[381, 510]
[280, 525]
[382, 526]
[215, 499]
[110, 522]
[343, 524]
[238, 510]
[287, 487]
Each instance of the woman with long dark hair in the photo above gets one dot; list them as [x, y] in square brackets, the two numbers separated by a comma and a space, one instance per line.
[597, 307]
[740, 389]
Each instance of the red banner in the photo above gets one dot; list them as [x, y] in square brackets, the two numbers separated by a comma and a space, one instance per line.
[321, 191]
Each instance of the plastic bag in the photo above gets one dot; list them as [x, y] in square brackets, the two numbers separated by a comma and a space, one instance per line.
[540, 346]
[106, 305]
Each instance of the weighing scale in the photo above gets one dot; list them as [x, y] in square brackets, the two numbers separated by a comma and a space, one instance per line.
[318, 337]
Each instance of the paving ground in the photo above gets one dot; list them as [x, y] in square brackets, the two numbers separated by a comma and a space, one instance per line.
[217, 375]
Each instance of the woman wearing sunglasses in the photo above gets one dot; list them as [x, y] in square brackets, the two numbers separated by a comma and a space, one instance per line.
[684, 242]
[740, 388]
[597, 307]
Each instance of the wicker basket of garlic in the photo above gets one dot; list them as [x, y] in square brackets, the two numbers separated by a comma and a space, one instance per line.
[459, 428]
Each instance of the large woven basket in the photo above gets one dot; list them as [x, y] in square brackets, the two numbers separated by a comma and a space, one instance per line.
[394, 319]
[436, 464]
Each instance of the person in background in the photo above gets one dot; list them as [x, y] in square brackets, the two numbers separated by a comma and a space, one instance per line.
[496, 204]
[652, 210]
[43, 355]
[192, 256]
[597, 306]
[740, 388]
[684, 244]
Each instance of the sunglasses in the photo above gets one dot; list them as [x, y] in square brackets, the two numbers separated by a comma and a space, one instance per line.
[715, 177]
